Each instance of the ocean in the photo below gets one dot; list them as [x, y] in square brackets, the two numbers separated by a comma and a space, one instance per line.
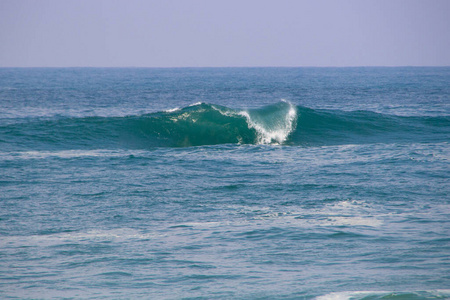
[225, 183]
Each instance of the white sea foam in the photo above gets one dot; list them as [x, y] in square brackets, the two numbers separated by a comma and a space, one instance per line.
[67, 154]
[196, 103]
[348, 295]
[342, 213]
[277, 134]
[119, 234]
[172, 110]
[432, 294]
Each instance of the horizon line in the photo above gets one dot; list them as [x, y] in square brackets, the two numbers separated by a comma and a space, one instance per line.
[217, 67]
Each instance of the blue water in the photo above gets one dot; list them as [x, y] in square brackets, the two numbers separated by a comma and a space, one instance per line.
[234, 183]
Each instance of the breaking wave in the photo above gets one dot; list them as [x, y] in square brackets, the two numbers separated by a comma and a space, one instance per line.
[209, 124]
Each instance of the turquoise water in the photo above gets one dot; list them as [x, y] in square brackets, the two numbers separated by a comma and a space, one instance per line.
[235, 183]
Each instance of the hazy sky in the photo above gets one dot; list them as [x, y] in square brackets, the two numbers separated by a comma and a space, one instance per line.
[202, 33]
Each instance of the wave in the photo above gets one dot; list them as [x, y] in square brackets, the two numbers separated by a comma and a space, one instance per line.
[335, 127]
[199, 124]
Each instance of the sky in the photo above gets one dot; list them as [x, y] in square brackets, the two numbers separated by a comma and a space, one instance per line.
[228, 33]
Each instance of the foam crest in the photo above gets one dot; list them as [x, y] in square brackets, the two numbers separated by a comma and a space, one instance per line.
[172, 110]
[273, 125]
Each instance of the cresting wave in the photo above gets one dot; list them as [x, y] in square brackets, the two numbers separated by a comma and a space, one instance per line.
[210, 124]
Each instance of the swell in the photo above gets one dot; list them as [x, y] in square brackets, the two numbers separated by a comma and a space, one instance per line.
[208, 124]
[335, 127]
